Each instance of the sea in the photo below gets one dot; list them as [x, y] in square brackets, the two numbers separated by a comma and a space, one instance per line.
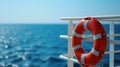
[39, 45]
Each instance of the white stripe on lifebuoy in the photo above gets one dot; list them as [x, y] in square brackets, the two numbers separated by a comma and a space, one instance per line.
[96, 53]
[77, 34]
[85, 24]
[82, 58]
[97, 36]
[77, 47]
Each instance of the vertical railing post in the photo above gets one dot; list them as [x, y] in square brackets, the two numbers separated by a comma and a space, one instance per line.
[111, 47]
[70, 50]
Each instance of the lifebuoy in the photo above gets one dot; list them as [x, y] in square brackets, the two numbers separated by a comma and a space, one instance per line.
[99, 37]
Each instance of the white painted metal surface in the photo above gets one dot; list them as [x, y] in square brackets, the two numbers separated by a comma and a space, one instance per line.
[70, 51]
[111, 40]
[111, 63]
[65, 56]
[105, 17]
[91, 40]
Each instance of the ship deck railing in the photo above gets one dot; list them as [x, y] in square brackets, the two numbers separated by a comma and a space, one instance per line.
[110, 19]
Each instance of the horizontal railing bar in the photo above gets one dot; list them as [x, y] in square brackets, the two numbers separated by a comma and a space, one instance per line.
[117, 51]
[98, 17]
[91, 35]
[91, 40]
[66, 36]
[110, 20]
[65, 56]
[113, 34]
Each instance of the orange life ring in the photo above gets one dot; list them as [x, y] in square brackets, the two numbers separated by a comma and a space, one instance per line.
[99, 37]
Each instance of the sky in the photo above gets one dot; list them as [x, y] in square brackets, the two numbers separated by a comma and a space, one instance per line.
[50, 11]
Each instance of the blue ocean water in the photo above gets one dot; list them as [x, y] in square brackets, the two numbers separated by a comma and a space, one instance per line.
[39, 45]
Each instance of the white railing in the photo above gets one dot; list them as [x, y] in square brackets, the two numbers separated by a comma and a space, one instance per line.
[111, 19]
